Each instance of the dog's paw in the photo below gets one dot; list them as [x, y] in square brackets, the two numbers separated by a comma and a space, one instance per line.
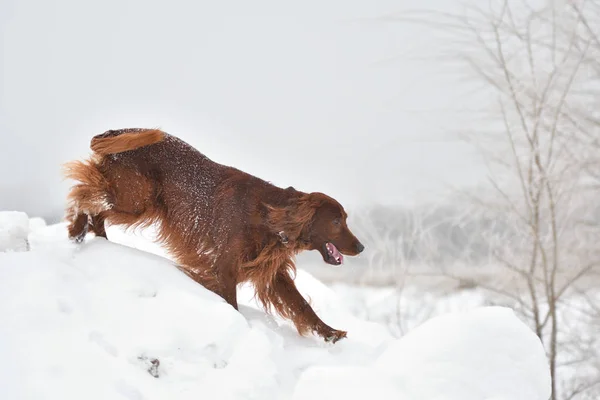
[334, 335]
[79, 238]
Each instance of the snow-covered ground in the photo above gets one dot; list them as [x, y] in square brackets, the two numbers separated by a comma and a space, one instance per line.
[108, 321]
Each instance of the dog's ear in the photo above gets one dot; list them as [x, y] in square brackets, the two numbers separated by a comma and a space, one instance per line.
[292, 221]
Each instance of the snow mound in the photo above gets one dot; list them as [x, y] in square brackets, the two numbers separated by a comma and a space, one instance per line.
[99, 323]
[472, 355]
[107, 321]
[14, 228]
[487, 353]
[348, 382]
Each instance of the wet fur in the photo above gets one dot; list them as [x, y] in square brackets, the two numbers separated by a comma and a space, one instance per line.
[222, 226]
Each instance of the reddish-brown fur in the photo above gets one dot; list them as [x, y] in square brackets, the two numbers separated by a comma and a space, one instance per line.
[125, 142]
[223, 226]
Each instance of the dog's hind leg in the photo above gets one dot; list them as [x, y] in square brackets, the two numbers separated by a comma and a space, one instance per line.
[78, 227]
[89, 198]
[98, 225]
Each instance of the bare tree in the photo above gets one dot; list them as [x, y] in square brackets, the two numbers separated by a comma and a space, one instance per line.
[537, 67]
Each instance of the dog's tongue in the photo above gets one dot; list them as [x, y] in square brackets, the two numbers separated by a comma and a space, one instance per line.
[334, 252]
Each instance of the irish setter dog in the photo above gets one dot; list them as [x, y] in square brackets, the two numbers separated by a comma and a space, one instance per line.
[222, 226]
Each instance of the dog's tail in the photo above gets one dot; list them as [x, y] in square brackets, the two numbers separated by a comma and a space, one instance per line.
[112, 142]
[90, 196]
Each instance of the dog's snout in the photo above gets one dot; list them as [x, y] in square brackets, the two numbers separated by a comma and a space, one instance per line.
[359, 247]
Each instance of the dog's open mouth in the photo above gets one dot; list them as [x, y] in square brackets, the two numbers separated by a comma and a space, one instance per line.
[333, 255]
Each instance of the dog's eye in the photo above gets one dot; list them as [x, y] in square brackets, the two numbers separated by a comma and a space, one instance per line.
[337, 221]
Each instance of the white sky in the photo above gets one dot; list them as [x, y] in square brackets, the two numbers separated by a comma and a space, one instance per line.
[323, 96]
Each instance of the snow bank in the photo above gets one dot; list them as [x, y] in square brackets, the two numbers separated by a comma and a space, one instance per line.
[106, 321]
[487, 353]
[472, 355]
[14, 228]
[97, 322]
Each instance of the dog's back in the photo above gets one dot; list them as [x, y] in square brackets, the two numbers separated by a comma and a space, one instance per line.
[179, 173]
[139, 177]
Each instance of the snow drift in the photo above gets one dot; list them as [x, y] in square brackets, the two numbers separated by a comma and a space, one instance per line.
[106, 321]
[14, 228]
[482, 354]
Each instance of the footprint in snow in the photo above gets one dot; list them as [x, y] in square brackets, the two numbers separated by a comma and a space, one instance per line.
[99, 339]
[128, 391]
[210, 352]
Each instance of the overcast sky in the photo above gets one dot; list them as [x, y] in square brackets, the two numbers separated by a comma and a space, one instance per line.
[323, 96]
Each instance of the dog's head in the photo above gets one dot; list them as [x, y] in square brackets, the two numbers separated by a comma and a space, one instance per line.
[315, 221]
[329, 233]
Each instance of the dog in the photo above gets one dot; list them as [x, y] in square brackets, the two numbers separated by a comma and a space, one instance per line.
[221, 225]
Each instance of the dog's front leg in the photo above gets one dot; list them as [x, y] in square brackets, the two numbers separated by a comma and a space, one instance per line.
[291, 303]
[226, 273]
[218, 276]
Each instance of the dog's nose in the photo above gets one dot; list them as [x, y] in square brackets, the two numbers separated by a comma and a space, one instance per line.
[359, 247]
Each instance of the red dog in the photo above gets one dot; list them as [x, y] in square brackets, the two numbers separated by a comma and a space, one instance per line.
[223, 226]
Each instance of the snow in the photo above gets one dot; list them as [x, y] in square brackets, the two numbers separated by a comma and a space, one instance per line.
[486, 353]
[493, 346]
[14, 228]
[108, 321]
